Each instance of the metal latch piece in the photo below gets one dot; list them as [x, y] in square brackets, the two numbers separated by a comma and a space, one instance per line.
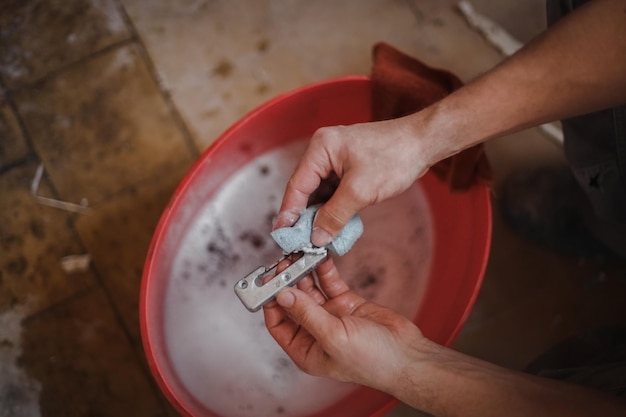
[254, 294]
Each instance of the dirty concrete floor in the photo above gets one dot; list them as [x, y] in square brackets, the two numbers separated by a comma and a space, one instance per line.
[117, 98]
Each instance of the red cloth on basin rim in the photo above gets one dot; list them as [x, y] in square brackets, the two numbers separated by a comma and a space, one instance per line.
[403, 85]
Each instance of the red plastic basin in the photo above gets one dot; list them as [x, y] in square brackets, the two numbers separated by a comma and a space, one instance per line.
[461, 224]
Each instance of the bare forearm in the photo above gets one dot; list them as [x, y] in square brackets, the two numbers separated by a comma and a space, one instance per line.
[578, 66]
[446, 383]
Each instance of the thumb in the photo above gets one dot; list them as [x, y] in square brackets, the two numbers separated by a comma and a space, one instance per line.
[306, 312]
[333, 216]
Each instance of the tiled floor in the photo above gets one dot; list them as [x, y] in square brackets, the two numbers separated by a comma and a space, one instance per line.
[118, 98]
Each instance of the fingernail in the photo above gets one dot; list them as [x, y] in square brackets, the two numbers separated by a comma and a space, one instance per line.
[284, 219]
[285, 299]
[320, 237]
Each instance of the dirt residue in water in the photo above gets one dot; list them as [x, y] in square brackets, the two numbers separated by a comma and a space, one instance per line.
[269, 217]
[367, 281]
[264, 170]
[254, 238]
[220, 256]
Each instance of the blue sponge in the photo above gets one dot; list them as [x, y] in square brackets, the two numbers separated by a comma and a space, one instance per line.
[298, 237]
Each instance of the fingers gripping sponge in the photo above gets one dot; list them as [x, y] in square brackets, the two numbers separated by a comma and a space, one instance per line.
[298, 237]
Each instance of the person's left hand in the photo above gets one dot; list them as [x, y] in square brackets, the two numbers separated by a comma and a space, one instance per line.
[340, 334]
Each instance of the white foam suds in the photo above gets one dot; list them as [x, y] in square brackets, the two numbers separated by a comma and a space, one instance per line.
[222, 353]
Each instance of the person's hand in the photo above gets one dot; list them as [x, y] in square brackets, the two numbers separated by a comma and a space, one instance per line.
[374, 161]
[341, 335]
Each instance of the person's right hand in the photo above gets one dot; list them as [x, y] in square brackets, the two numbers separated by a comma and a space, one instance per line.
[374, 161]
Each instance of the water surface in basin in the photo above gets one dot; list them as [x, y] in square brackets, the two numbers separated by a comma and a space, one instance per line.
[221, 352]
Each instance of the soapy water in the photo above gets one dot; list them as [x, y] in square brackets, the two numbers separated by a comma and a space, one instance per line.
[222, 353]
